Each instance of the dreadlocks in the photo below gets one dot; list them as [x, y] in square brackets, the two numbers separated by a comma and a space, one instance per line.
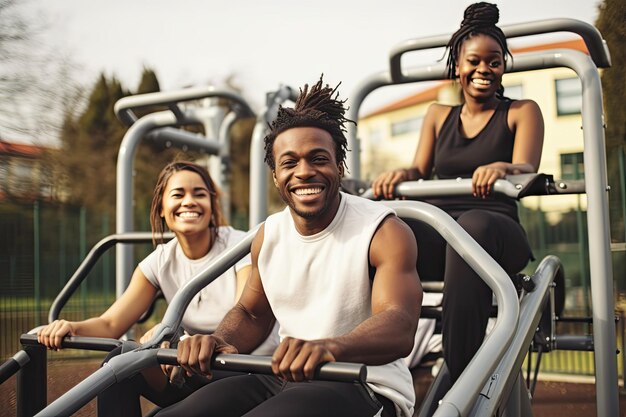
[314, 108]
[479, 18]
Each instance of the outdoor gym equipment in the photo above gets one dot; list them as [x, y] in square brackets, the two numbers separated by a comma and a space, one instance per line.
[596, 187]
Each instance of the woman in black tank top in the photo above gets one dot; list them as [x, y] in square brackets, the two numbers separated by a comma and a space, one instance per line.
[485, 138]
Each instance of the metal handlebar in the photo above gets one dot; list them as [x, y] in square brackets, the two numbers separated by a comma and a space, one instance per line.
[594, 42]
[124, 107]
[88, 263]
[513, 186]
[330, 371]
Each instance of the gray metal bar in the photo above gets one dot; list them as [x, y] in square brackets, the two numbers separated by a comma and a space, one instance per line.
[31, 385]
[123, 107]
[596, 46]
[330, 371]
[224, 162]
[438, 188]
[521, 62]
[176, 308]
[88, 263]
[185, 140]
[258, 171]
[12, 365]
[123, 366]
[461, 397]
[116, 369]
[363, 89]
[506, 372]
[124, 180]
[601, 269]
[463, 186]
[574, 342]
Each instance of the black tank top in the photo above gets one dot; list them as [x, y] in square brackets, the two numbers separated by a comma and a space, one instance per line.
[457, 156]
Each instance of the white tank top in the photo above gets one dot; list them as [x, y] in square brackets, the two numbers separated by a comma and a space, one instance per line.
[319, 287]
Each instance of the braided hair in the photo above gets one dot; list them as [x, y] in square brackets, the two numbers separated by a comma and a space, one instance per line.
[314, 108]
[478, 18]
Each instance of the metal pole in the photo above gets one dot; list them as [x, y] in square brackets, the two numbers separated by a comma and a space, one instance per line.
[258, 171]
[600, 264]
[82, 251]
[31, 382]
[37, 266]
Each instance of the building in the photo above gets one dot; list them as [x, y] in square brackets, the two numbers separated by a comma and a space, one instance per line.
[389, 135]
[21, 171]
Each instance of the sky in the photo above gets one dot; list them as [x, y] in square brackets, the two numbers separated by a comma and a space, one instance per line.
[263, 44]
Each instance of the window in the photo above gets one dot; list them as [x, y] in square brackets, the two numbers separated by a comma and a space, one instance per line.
[568, 96]
[572, 166]
[376, 136]
[406, 126]
[514, 92]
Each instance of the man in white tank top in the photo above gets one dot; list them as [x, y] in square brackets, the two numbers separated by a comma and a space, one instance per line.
[337, 273]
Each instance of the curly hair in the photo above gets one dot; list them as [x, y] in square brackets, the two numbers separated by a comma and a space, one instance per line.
[478, 18]
[314, 108]
[159, 226]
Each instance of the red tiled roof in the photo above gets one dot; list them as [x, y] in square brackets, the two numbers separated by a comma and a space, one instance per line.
[20, 149]
[430, 94]
[577, 44]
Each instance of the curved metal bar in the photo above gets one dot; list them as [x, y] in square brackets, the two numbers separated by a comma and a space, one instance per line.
[596, 45]
[88, 263]
[124, 107]
[436, 72]
[531, 309]
[462, 396]
[122, 366]
[13, 365]
[258, 170]
[177, 306]
[185, 140]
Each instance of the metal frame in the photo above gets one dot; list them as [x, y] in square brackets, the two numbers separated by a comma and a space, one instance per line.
[157, 126]
[258, 170]
[586, 67]
[461, 397]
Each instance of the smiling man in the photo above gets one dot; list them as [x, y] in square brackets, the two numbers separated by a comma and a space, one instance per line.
[337, 272]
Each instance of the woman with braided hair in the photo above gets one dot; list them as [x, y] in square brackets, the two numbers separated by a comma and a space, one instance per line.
[486, 138]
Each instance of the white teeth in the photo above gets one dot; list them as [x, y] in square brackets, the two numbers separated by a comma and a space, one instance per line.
[308, 191]
[481, 81]
[188, 214]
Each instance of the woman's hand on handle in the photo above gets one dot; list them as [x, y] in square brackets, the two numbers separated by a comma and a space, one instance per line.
[385, 184]
[485, 176]
[52, 335]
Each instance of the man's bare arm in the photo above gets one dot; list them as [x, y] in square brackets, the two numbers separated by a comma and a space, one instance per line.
[243, 328]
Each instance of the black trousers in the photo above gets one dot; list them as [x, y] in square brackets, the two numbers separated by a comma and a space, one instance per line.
[467, 300]
[268, 396]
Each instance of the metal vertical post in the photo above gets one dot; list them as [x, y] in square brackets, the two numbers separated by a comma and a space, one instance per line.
[82, 250]
[36, 261]
[600, 265]
[31, 383]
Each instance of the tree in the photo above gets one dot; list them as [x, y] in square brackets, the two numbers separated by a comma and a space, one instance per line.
[31, 106]
[88, 152]
[611, 24]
